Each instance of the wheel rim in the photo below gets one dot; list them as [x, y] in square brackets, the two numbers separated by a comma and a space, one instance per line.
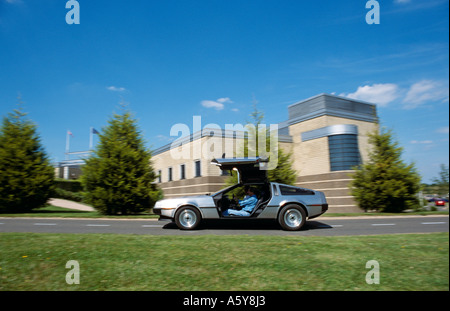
[188, 218]
[292, 218]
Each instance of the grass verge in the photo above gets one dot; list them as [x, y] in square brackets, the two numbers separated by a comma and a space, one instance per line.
[30, 261]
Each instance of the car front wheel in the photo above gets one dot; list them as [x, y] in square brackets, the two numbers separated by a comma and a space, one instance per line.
[292, 217]
[187, 218]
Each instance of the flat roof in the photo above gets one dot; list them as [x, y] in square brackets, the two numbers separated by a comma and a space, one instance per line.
[332, 105]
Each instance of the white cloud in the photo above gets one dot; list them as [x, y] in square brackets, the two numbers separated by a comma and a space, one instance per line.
[115, 88]
[217, 104]
[426, 142]
[443, 130]
[425, 91]
[164, 138]
[380, 94]
[212, 104]
[411, 97]
[224, 100]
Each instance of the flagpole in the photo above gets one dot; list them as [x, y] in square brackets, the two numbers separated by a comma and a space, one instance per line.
[91, 137]
[67, 144]
[66, 168]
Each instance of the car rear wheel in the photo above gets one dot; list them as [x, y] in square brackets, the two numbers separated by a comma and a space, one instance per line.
[292, 217]
[187, 218]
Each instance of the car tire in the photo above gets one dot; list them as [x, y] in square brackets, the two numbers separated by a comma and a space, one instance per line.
[292, 217]
[187, 218]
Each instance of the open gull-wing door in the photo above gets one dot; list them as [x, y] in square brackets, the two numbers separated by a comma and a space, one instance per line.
[251, 170]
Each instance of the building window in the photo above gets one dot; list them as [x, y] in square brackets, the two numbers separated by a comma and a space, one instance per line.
[197, 169]
[295, 191]
[170, 174]
[182, 171]
[159, 176]
[344, 152]
[225, 173]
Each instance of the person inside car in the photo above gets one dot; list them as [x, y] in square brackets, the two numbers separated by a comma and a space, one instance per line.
[247, 204]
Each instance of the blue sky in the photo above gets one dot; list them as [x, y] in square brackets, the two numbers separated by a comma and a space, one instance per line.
[171, 60]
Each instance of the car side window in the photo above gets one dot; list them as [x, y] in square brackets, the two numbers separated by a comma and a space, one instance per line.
[295, 191]
[275, 190]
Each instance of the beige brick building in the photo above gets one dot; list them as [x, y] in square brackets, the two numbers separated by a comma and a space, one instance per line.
[326, 134]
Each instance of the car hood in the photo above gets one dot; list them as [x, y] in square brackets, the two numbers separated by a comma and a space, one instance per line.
[198, 200]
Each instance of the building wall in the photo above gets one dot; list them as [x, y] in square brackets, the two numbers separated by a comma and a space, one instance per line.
[335, 185]
[364, 128]
[74, 172]
[310, 156]
[193, 186]
[202, 149]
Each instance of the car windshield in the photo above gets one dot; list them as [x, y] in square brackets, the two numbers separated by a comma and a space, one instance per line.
[224, 190]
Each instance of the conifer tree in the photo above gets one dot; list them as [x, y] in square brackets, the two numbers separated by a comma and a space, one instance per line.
[26, 176]
[118, 178]
[385, 183]
[283, 173]
[442, 181]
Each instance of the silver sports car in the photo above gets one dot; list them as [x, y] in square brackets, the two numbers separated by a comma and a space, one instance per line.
[289, 205]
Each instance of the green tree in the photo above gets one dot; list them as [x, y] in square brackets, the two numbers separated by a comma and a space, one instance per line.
[442, 182]
[118, 178]
[385, 183]
[26, 176]
[283, 173]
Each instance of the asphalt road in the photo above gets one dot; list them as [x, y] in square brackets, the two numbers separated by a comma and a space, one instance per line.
[317, 227]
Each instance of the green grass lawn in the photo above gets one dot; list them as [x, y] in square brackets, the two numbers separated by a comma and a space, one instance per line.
[30, 261]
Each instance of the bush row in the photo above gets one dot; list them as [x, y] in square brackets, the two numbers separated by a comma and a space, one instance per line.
[68, 190]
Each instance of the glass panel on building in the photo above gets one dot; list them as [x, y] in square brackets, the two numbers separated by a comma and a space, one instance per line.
[170, 174]
[182, 171]
[344, 152]
[197, 169]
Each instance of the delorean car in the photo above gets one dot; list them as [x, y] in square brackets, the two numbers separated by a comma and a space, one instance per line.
[289, 205]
